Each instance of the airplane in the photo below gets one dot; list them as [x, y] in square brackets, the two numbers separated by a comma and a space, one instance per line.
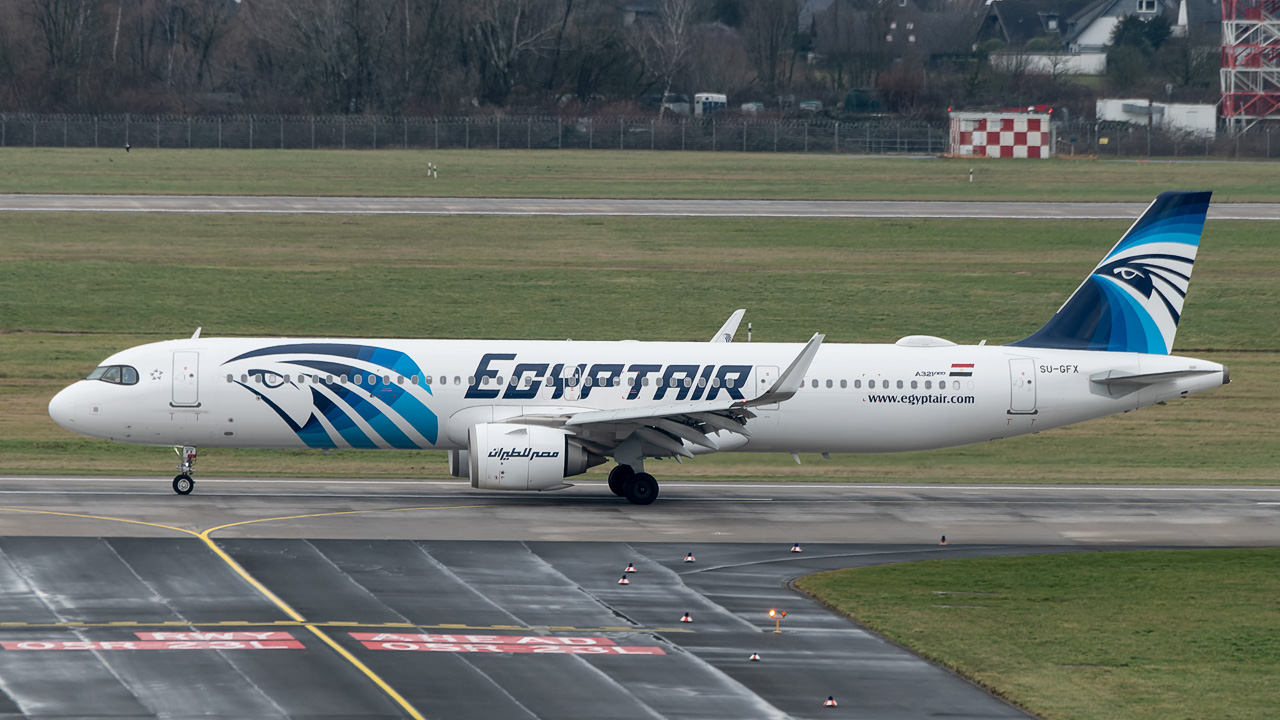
[528, 414]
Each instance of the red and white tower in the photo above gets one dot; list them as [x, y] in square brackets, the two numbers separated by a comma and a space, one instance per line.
[1250, 62]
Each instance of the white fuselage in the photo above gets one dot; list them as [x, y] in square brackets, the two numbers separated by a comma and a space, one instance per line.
[854, 399]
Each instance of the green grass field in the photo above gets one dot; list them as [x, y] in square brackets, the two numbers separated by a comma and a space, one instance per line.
[74, 288]
[1134, 635]
[633, 174]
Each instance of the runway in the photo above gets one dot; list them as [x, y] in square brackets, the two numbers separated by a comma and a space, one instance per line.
[528, 207]
[371, 599]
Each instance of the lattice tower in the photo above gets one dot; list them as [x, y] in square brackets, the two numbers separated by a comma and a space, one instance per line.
[1250, 62]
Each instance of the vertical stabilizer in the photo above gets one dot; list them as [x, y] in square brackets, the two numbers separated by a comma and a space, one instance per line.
[1132, 300]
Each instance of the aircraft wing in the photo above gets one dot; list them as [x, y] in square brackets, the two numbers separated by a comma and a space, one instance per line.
[662, 429]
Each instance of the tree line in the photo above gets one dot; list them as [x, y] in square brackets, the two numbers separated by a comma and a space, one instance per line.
[463, 56]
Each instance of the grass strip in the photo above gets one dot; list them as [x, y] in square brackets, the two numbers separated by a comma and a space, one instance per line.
[619, 174]
[1157, 635]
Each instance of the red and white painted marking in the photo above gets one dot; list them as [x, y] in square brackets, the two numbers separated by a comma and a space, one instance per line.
[537, 644]
[154, 645]
[266, 640]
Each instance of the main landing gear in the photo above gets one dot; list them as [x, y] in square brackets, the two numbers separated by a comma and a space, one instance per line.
[183, 484]
[640, 488]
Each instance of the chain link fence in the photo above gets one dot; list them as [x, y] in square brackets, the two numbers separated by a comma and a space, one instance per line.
[489, 132]
[813, 135]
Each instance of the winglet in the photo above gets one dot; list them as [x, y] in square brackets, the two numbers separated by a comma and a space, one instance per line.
[791, 378]
[726, 331]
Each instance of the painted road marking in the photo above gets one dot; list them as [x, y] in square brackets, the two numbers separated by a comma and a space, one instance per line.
[281, 604]
[264, 635]
[536, 649]
[536, 644]
[483, 639]
[153, 645]
[19, 625]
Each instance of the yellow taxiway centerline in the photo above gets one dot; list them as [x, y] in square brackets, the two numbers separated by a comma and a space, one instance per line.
[298, 619]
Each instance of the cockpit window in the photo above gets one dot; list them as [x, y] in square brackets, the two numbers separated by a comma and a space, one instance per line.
[115, 374]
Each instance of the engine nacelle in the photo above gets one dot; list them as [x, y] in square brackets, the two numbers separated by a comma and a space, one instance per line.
[506, 456]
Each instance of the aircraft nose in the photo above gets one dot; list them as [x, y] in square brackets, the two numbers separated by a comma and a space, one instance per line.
[62, 407]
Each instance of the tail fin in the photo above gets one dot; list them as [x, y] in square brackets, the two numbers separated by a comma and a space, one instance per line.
[1132, 301]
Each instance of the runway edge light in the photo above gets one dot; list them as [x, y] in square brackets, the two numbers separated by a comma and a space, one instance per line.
[943, 541]
[686, 618]
[755, 657]
[795, 548]
[630, 568]
[831, 701]
[688, 558]
[624, 581]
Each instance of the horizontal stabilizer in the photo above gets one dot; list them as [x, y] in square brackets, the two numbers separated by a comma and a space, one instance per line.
[1120, 378]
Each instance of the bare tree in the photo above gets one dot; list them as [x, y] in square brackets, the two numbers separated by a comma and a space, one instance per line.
[664, 42]
[335, 48]
[504, 33]
[68, 31]
[770, 27]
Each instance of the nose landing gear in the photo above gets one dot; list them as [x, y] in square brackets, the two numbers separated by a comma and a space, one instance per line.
[183, 484]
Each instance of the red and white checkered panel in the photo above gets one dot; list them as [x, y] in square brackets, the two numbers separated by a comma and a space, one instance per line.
[1004, 136]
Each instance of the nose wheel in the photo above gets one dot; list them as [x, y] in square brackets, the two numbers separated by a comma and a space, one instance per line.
[183, 484]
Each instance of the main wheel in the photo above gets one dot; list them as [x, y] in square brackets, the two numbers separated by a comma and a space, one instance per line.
[183, 484]
[618, 478]
[642, 490]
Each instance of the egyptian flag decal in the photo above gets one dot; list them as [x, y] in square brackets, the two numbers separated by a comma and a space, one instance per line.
[961, 370]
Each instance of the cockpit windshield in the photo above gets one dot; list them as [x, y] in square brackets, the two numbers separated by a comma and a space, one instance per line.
[115, 374]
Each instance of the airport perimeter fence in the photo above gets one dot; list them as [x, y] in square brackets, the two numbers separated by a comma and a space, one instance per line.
[724, 133]
[488, 132]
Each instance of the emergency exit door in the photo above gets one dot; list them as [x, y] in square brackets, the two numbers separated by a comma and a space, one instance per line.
[1022, 399]
[186, 379]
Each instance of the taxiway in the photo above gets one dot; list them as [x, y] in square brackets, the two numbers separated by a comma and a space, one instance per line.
[367, 599]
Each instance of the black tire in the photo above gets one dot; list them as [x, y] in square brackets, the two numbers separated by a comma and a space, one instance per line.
[642, 490]
[183, 484]
[618, 478]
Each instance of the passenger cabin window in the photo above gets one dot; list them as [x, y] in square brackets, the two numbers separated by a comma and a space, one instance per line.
[844, 384]
[115, 374]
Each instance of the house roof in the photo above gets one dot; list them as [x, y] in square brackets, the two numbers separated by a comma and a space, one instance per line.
[951, 29]
[1022, 20]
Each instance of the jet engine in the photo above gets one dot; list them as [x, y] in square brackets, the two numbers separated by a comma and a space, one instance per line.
[506, 456]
